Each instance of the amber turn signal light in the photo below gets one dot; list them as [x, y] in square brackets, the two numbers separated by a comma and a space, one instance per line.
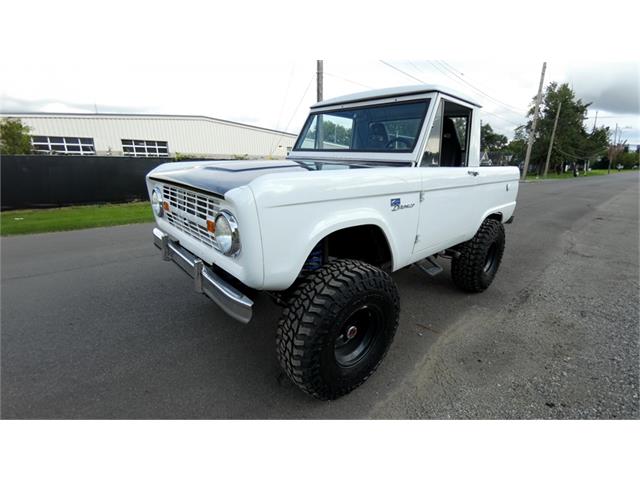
[211, 226]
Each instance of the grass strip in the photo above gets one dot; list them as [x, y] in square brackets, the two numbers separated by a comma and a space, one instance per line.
[20, 222]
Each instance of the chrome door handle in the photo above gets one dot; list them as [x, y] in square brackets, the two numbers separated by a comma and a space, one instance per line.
[471, 172]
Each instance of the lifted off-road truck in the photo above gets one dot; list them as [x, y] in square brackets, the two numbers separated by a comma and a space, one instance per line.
[376, 182]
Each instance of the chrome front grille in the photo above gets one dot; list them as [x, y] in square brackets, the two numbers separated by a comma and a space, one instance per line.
[189, 212]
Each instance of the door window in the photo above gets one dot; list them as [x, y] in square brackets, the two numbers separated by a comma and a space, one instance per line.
[431, 156]
[448, 142]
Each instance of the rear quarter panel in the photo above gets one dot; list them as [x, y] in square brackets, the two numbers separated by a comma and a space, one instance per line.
[496, 192]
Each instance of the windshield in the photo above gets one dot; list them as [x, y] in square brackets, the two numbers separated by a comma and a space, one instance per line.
[341, 165]
[378, 128]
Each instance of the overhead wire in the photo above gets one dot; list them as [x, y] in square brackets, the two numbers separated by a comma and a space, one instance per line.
[449, 71]
[493, 100]
[491, 97]
[613, 116]
[402, 71]
[451, 67]
[422, 81]
[286, 95]
[580, 157]
[284, 102]
[348, 80]
[458, 79]
[502, 118]
[295, 112]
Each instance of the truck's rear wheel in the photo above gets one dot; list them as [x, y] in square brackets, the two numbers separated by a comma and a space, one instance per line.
[337, 327]
[476, 266]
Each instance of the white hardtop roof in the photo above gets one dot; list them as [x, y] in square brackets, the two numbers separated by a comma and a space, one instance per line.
[395, 92]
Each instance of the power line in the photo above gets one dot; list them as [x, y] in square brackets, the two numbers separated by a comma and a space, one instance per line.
[402, 71]
[284, 102]
[502, 118]
[504, 104]
[286, 95]
[614, 116]
[451, 74]
[347, 80]
[451, 67]
[295, 111]
[518, 124]
[421, 81]
[580, 156]
[415, 67]
[446, 73]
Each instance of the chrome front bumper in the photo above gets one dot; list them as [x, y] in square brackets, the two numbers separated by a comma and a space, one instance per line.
[228, 298]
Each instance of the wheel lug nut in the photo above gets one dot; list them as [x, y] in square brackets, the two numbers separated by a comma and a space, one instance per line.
[352, 331]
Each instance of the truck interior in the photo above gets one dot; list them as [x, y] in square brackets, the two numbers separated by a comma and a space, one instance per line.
[377, 128]
[448, 141]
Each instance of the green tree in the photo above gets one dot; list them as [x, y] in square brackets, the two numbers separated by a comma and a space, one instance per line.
[627, 159]
[572, 141]
[490, 140]
[337, 134]
[14, 137]
[517, 149]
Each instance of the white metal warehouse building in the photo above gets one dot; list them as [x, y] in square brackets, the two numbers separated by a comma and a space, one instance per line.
[151, 135]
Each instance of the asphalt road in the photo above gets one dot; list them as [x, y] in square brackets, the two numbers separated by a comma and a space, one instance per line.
[95, 325]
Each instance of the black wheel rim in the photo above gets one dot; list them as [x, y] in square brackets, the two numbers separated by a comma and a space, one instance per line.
[491, 258]
[357, 334]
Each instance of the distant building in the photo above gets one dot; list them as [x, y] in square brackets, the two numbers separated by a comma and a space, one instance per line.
[151, 136]
[491, 159]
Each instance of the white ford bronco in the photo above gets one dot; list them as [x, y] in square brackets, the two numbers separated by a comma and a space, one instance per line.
[376, 182]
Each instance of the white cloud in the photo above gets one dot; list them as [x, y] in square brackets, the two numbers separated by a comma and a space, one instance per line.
[274, 94]
[234, 60]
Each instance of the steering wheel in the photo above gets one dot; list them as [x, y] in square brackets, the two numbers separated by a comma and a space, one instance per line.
[395, 141]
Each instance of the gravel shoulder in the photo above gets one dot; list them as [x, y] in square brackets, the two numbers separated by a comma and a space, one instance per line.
[566, 347]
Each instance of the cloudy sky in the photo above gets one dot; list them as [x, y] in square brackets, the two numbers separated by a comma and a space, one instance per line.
[254, 61]
[277, 94]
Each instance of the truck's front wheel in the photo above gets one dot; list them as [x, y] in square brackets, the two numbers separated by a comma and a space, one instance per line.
[476, 266]
[337, 327]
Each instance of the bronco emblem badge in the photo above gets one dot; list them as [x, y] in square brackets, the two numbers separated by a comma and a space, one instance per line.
[396, 205]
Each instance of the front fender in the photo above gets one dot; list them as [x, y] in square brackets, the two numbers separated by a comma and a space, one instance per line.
[297, 211]
[356, 217]
[287, 248]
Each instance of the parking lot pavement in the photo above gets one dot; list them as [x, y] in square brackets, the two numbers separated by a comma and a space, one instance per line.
[95, 325]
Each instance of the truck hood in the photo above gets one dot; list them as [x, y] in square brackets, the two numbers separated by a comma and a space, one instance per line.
[218, 177]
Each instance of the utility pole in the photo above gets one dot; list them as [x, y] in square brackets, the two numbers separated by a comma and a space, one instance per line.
[319, 142]
[553, 135]
[534, 123]
[481, 140]
[319, 75]
[613, 150]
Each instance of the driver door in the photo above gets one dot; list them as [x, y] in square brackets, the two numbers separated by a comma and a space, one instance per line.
[447, 212]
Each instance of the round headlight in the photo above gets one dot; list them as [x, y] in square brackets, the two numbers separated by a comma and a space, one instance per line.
[156, 201]
[227, 234]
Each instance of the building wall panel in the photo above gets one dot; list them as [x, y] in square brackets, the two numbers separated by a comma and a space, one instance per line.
[198, 136]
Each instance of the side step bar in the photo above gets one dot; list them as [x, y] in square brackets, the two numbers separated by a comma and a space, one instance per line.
[429, 266]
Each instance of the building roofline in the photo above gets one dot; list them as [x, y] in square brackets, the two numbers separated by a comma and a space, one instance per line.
[143, 116]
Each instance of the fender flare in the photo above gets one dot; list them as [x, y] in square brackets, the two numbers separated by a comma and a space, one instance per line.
[321, 231]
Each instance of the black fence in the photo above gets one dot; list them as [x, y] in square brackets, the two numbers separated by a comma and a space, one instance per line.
[35, 181]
